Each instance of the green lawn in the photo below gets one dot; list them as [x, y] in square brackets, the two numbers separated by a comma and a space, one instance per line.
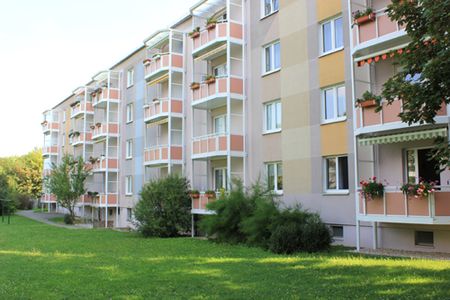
[38, 261]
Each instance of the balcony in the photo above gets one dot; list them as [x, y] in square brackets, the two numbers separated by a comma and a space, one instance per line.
[86, 200]
[80, 109]
[49, 151]
[214, 94]
[102, 131]
[396, 207]
[103, 200]
[48, 198]
[159, 65]
[199, 204]
[104, 95]
[80, 139]
[106, 165]
[377, 34]
[159, 110]
[159, 155]
[215, 145]
[216, 37]
[48, 127]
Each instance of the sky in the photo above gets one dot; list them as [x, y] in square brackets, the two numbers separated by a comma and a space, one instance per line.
[48, 48]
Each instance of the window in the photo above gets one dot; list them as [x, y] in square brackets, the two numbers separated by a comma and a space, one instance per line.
[333, 104]
[220, 179]
[332, 38]
[275, 177]
[419, 166]
[424, 238]
[220, 71]
[130, 77]
[129, 113]
[272, 116]
[129, 149]
[269, 7]
[272, 57]
[129, 214]
[129, 185]
[220, 124]
[337, 231]
[336, 174]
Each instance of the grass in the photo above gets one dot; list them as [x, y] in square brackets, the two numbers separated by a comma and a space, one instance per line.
[38, 261]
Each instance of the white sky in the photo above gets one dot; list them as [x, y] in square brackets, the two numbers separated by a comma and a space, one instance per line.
[50, 47]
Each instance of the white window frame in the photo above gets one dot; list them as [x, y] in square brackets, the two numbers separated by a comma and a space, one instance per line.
[129, 214]
[129, 149]
[224, 175]
[272, 57]
[129, 112]
[337, 190]
[276, 190]
[219, 67]
[336, 101]
[272, 10]
[130, 77]
[416, 161]
[273, 116]
[224, 117]
[333, 36]
[129, 185]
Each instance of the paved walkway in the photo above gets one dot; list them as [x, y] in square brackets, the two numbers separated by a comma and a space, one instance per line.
[45, 218]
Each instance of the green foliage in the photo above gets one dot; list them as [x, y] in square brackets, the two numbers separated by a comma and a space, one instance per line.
[371, 188]
[424, 81]
[358, 14]
[66, 182]
[164, 207]
[68, 219]
[367, 96]
[21, 201]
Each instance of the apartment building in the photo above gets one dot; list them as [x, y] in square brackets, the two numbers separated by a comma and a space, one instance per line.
[257, 90]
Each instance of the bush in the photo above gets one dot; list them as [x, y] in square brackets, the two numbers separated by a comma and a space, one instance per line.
[23, 201]
[164, 207]
[68, 219]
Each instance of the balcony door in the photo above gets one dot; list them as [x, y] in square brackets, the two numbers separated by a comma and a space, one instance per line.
[419, 167]
[220, 124]
[220, 178]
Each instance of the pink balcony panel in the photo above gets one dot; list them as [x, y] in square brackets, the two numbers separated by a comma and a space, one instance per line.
[162, 107]
[442, 203]
[380, 27]
[81, 108]
[418, 206]
[103, 163]
[103, 129]
[390, 112]
[202, 202]
[162, 153]
[48, 198]
[50, 150]
[83, 137]
[395, 204]
[218, 32]
[103, 199]
[217, 143]
[50, 126]
[218, 87]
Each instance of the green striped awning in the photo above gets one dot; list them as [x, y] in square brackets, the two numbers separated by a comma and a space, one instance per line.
[403, 137]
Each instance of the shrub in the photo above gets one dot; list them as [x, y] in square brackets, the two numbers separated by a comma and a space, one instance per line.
[316, 235]
[68, 219]
[164, 207]
[23, 201]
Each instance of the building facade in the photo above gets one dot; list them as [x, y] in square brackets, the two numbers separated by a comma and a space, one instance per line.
[259, 90]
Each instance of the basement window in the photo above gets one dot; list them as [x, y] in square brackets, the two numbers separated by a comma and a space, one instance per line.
[337, 231]
[424, 238]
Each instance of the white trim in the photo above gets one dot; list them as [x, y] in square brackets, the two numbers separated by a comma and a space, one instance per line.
[334, 90]
[273, 116]
[130, 79]
[129, 152]
[271, 47]
[333, 35]
[272, 10]
[337, 190]
[129, 185]
[129, 113]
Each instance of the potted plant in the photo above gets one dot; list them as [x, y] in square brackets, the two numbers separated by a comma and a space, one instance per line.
[156, 56]
[155, 100]
[368, 99]
[76, 134]
[92, 194]
[146, 61]
[363, 17]
[98, 124]
[372, 189]
[195, 33]
[419, 190]
[210, 79]
[211, 23]
[75, 103]
[195, 85]
[92, 160]
[210, 194]
[195, 194]
[44, 123]
[92, 127]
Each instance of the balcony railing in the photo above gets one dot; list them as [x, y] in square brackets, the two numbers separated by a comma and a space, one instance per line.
[159, 64]
[103, 200]
[159, 109]
[160, 154]
[213, 94]
[209, 38]
[49, 126]
[105, 164]
[104, 95]
[216, 145]
[50, 150]
[48, 198]
[199, 204]
[81, 108]
[397, 207]
[81, 138]
[102, 130]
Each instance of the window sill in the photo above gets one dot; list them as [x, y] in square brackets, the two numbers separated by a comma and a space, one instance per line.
[331, 52]
[130, 86]
[129, 122]
[128, 195]
[270, 72]
[129, 158]
[271, 131]
[338, 120]
[336, 193]
[268, 15]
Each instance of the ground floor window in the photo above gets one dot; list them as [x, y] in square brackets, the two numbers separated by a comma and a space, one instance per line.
[336, 174]
[337, 231]
[420, 167]
[275, 176]
[424, 238]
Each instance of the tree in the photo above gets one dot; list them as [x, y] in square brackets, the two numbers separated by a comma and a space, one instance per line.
[164, 208]
[66, 182]
[424, 82]
[4, 191]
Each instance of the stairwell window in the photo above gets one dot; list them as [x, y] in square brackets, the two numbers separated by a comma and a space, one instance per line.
[334, 104]
[129, 149]
[130, 77]
[129, 185]
[275, 177]
[336, 174]
[332, 38]
[129, 113]
[271, 55]
[269, 7]
[272, 117]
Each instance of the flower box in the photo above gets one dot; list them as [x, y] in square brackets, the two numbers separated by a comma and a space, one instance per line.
[211, 26]
[210, 80]
[368, 103]
[365, 19]
[194, 35]
[195, 86]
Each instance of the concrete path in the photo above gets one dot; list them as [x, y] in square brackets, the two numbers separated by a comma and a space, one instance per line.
[45, 218]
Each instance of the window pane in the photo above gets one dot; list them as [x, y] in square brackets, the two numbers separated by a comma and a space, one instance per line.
[268, 58]
[338, 33]
[279, 177]
[275, 5]
[271, 176]
[276, 58]
[343, 173]
[341, 102]
[411, 166]
[278, 115]
[269, 121]
[331, 173]
[267, 7]
[326, 38]
[219, 124]
[329, 104]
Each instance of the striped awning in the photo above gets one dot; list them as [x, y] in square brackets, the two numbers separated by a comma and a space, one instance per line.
[158, 80]
[403, 137]
[376, 58]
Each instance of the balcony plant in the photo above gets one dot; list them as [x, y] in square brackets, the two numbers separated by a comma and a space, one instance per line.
[368, 99]
[195, 194]
[44, 123]
[76, 134]
[75, 103]
[195, 33]
[92, 127]
[146, 61]
[371, 189]
[210, 79]
[210, 194]
[363, 17]
[211, 23]
[195, 85]
[98, 124]
[92, 194]
[419, 190]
